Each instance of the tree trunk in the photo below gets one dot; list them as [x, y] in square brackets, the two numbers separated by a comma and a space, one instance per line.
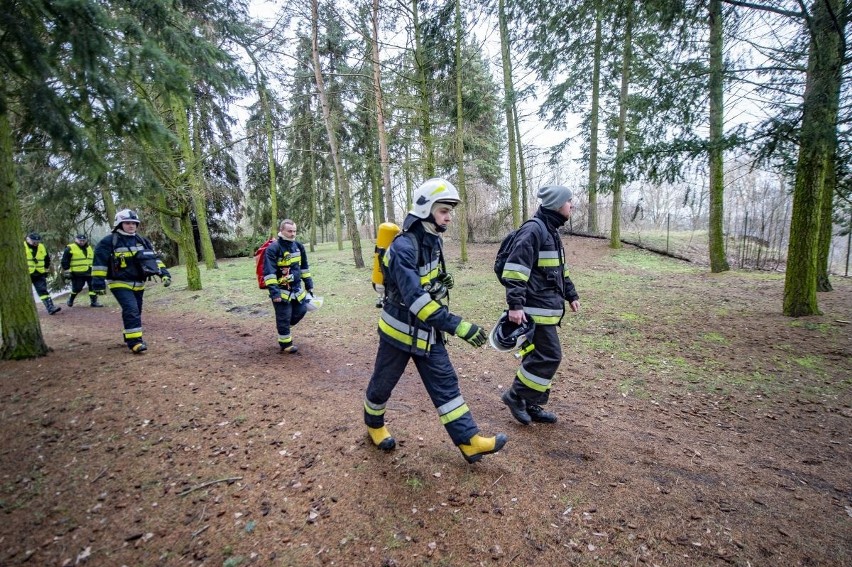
[615, 232]
[716, 244]
[508, 102]
[524, 189]
[109, 202]
[461, 183]
[594, 121]
[424, 108]
[342, 182]
[826, 224]
[270, 158]
[199, 197]
[819, 125]
[380, 119]
[19, 323]
[183, 237]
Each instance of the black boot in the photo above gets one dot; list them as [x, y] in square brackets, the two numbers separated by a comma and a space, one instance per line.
[517, 405]
[51, 308]
[538, 414]
[70, 302]
[95, 302]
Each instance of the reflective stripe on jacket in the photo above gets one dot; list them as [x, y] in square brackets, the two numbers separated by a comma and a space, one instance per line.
[535, 274]
[411, 320]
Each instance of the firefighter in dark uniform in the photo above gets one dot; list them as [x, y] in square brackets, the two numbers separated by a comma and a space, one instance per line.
[414, 321]
[537, 287]
[285, 268]
[38, 263]
[124, 260]
[77, 265]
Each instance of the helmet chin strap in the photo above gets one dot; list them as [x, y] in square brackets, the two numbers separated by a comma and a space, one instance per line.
[431, 226]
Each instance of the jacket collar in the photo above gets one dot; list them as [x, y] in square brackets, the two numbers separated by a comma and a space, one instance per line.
[552, 219]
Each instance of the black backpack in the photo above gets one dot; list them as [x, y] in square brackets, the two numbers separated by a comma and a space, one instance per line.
[507, 245]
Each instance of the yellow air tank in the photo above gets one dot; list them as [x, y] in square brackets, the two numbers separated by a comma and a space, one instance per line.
[387, 232]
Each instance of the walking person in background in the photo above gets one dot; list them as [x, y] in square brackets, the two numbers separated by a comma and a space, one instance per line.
[38, 262]
[537, 287]
[414, 322]
[124, 260]
[77, 266]
[285, 269]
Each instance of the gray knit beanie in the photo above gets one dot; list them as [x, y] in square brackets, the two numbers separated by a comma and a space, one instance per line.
[554, 196]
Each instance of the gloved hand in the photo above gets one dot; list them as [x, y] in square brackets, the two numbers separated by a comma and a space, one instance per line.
[436, 290]
[472, 333]
[167, 281]
[66, 274]
[311, 291]
[447, 280]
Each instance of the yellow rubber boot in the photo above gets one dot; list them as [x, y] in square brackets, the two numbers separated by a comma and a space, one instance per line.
[381, 438]
[479, 446]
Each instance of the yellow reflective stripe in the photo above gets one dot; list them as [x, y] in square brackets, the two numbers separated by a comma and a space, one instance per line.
[99, 272]
[532, 381]
[133, 333]
[400, 336]
[424, 280]
[306, 275]
[512, 275]
[546, 320]
[374, 409]
[547, 262]
[119, 284]
[428, 309]
[455, 414]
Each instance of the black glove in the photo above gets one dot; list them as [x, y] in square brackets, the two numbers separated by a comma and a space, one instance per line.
[472, 333]
[447, 280]
[436, 290]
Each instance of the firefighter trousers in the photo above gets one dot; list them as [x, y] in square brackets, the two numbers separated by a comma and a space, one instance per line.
[287, 314]
[438, 376]
[131, 313]
[533, 380]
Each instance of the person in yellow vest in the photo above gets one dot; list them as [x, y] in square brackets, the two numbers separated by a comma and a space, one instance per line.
[38, 262]
[77, 266]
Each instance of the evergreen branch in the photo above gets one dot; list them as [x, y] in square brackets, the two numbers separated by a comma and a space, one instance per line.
[773, 9]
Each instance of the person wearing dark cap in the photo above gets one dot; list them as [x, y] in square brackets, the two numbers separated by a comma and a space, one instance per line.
[77, 266]
[38, 262]
[537, 287]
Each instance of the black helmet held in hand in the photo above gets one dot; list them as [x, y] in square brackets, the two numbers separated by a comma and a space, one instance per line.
[506, 336]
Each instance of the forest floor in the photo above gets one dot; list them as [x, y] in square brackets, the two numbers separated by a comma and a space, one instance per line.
[697, 426]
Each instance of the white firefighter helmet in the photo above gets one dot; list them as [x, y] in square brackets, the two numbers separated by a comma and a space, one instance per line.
[125, 215]
[435, 190]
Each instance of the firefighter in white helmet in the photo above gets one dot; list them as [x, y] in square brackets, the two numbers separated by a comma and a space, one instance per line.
[124, 261]
[415, 320]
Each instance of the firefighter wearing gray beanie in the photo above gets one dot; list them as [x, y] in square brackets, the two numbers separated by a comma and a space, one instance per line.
[554, 196]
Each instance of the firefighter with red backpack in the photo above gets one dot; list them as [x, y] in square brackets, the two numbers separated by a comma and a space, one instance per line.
[285, 269]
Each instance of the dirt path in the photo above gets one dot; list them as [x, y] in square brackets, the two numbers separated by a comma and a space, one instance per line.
[212, 449]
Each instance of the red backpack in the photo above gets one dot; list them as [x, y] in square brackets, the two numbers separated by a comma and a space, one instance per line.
[258, 262]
